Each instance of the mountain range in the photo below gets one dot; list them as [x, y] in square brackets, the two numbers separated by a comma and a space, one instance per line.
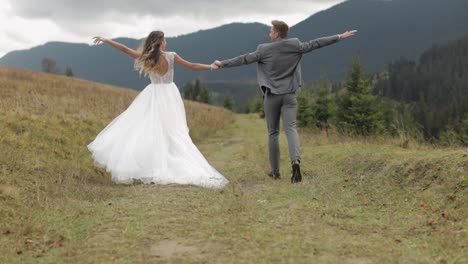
[387, 30]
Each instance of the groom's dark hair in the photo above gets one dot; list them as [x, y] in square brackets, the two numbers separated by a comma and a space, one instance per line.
[280, 27]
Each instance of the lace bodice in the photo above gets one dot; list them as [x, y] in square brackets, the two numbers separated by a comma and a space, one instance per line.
[169, 76]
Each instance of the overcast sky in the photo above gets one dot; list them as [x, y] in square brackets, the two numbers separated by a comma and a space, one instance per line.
[28, 23]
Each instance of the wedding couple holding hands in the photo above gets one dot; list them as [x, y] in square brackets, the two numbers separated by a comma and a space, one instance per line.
[150, 140]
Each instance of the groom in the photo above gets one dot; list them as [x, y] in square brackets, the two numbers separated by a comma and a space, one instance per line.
[279, 77]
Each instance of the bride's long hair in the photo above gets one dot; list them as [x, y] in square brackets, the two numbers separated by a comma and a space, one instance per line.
[149, 53]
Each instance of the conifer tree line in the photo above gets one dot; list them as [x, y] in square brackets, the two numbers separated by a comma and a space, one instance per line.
[425, 100]
[435, 89]
[349, 107]
[196, 91]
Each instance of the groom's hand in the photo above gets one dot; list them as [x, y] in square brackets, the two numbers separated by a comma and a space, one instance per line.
[348, 34]
[213, 66]
[218, 63]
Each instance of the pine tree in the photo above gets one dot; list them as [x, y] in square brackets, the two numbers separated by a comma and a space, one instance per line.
[228, 101]
[194, 90]
[255, 105]
[323, 105]
[189, 91]
[49, 65]
[463, 132]
[359, 112]
[69, 71]
[205, 95]
[305, 116]
[197, 91]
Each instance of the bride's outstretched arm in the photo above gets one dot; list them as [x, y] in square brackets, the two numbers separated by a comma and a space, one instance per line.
[132, 53]
[194, 66]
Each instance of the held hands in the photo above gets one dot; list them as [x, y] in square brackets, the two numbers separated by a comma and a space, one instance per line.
[216, 65]
[348, 34]
[213, 66]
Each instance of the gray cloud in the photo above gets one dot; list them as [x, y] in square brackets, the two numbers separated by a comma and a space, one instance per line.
[89, 11]
[26, 23]
[16, 36]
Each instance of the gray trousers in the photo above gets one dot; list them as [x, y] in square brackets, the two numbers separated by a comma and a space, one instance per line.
[284, 105]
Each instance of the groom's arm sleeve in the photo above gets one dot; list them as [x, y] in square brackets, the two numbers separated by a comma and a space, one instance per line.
[247, 58]
[310, 45]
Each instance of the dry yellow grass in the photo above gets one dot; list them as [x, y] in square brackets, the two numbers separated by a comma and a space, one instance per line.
[41, 94]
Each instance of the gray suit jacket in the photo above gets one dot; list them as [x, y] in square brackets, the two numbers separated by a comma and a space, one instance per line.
[278, 63]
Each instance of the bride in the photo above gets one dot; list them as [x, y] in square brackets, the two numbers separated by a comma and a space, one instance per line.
[150, 140]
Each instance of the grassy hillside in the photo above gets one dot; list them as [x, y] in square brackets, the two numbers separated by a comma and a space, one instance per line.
[360, 201]
[46, 121]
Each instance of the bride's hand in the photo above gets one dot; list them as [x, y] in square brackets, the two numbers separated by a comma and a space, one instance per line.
[98, 40]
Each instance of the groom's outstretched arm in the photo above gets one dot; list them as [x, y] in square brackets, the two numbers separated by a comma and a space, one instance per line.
[308, 46]
[247, 58]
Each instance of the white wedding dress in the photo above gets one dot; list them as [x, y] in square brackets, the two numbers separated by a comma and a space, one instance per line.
[150, 140]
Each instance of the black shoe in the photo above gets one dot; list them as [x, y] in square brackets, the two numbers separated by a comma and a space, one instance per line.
[274, 175]
[296, 174]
